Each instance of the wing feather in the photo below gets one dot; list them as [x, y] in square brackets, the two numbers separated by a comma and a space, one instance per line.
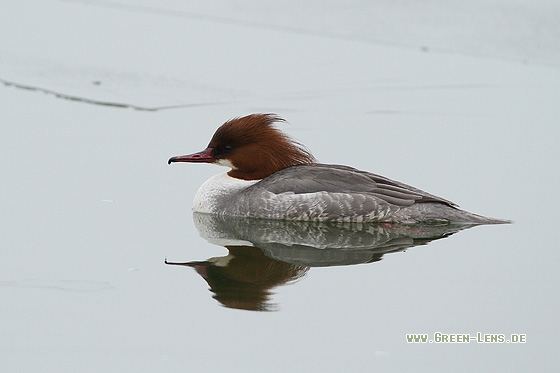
[343, 179]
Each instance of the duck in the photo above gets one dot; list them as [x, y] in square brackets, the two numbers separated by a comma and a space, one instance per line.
[273, 176]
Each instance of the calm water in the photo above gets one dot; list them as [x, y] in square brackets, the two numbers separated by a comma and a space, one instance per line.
[90, 214]
[91, 211]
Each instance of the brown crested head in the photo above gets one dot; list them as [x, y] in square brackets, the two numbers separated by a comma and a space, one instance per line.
[255, 148]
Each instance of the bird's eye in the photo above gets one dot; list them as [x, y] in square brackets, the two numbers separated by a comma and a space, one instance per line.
[222, 150]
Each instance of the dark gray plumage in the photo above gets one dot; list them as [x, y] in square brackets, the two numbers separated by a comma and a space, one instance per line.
[340, 193]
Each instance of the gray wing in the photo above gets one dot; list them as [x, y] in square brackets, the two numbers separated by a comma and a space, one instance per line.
[344, 179]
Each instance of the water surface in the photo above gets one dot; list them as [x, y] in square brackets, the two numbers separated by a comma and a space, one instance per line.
[91, 210]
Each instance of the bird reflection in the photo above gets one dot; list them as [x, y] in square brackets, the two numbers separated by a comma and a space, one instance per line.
[264, 254]
[244, 278]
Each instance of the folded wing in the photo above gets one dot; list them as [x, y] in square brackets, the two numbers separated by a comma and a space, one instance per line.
[343, 179]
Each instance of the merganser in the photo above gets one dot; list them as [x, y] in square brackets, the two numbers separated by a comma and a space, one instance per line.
[273, 176]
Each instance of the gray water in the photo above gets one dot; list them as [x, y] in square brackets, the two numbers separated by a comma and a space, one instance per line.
[90, 210]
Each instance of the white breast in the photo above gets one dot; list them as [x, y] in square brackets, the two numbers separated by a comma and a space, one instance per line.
[215, 188]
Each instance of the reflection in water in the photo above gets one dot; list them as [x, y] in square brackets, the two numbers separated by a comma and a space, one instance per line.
[264, 254]
[243, 279]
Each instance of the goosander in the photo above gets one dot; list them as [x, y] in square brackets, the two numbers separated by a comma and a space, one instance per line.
[273, 176]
